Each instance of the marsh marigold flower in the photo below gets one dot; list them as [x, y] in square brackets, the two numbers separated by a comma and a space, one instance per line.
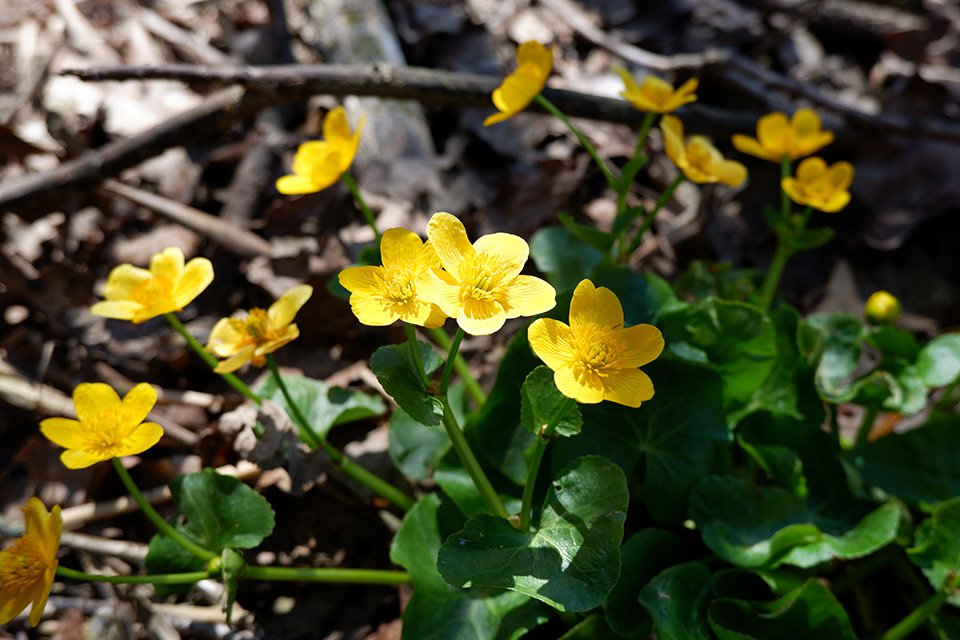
[252, 337]
[317, 164]
[882, 308]
[27, 567]
[169, 285]
[595, 358]
[656, 95]
[106, 426]
[534, 63]
[699, 160]
[819, 186]
[778, 137]
[481, 285]
[382, 295]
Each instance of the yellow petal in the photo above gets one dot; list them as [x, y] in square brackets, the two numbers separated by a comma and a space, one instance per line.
[138, 403]
[594, 307]
[751, 146]
[841, 175]
[167, 264]
[552, 341]
[236, 360]
[533, 53]
[529, 296]
[672, 130]
[440, 288]
[282, 312]
[773, 132]
[811, 169]
[294, 185]
[687, 90]
[586, 388]
[226, 337]
[400, 248]
[638, 345]
[792, 188]
[11, 602]
[290, 333]
[39, 600]
[365, 279]
[629, 387]
[805, 122]
[435, 316]
[835, 202]
[64, 432]
[372, 310]
[196, 276]
[335, 125]
[427, 259]
[123, 282]
[730, 172]
[91, 399]
[80, 458]
[141, 439]
[308, 155]
[497, 117]
[116, 309]
[508, 253]
[517, 90]
[481, 317]
[807, 145]
[449, 238]
[629, 84]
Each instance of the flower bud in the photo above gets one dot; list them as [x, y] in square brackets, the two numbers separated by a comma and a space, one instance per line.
[882, 308]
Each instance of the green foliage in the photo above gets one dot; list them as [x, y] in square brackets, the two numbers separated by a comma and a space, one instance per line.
[562, 257]
[397, 372]
[939, 361]
[675, 600]
[542, 404]
[323, 406]
[937, 551]
[571, 559]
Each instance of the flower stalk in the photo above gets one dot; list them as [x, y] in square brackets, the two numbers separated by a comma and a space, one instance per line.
[921, 614]
[540, 447]
[581, 138]
[348, 180]
[460, 366]
[156, 579]
[332, 575]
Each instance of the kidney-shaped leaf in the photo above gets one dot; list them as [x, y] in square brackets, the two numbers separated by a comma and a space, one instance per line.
[397, 372]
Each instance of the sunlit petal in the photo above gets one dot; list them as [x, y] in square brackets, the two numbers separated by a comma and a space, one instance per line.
[552, 341]
[594, 307]
[529, 296]
[282, 312]
[639, 345]
[449, 239]
[508, 252]
[583, 386]
[141, 439]
[92, 399]
[628, 387]
[400, 247]
[138, 402]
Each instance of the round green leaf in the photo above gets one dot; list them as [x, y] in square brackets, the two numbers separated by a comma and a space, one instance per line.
[939, 361]
[542, 404]
[937, 551]
[675, 600]
[397, 372]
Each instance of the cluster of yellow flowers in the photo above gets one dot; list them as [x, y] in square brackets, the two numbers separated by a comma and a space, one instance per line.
[27, 567]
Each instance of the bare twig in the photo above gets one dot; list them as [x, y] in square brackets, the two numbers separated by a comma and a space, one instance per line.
[123, 549]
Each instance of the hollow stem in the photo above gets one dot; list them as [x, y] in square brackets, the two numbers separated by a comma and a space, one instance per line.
[307, 434]
[364, 209]
[470, 463]
[162, 525]
[415, 354]
[231, 379]
[786, 169]
[543, 439]
[582, 139]
[635, 163]
[774, 272]
[328, 574]
[921, 614]
[460, 366]
[160, 578]
[452, 354]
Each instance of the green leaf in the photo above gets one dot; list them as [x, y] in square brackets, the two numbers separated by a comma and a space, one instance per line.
[897, 346]
[323, 406]
[831, 342]
[542, 404]
[590, 235]
[396, 371]
[643, 556]
[643, 296]
[675, 600]
[222, 512]
[808, 612]
[753, 526]
[438, 611]
[570, 561]
[919, 466]
[416, 450]
[592, 627]
[681, 435]
[705, 279]
[166, 556]
[939, 361]
[781, 464]
[937, 550]
[564, 259]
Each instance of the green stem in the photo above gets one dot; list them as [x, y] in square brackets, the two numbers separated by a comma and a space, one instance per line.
[774, 271]
[364, 209]
[415, 354]
[919, 616]
[582, 139]
[635, 163]
[786, 169]
[543, 439]
[460, 366]
[329, 575]
[307, 434]
[160, 578]
[469, 461]
[452, 354]
[368, 479]
[869, 417]
[231, 379]
[652, 215]
[162, 525]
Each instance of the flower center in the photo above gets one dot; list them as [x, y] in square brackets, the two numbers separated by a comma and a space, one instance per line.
[155, 289]
[699, 157]
[594, 351]
[480, 280]
[104, 434]
[399, 286]
[25, 566]
[257, 324]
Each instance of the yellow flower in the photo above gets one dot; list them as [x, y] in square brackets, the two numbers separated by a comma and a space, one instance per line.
[820, 186]
[107, 427]
[481, 285]
[382, 295]
[656, 95]
[317, 164]
[251, 338]
[534, 62]
[882, 308]
[27, 567]
[777, 137]
[697, 158]
[137, 294]
[594, 358]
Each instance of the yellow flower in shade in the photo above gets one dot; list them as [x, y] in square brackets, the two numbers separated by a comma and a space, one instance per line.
[594, 358]
[382, 295]
[137, 294]
[656, 95]
[251, 338]
[27, 567]
[317, 164]
[106, 426]
[481, 285]
[778, 137]
[534, 63]
[882, 308]
[820, 186]
[697, 158]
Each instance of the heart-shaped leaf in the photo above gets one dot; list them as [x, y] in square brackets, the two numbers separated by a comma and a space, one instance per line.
[397, 372]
